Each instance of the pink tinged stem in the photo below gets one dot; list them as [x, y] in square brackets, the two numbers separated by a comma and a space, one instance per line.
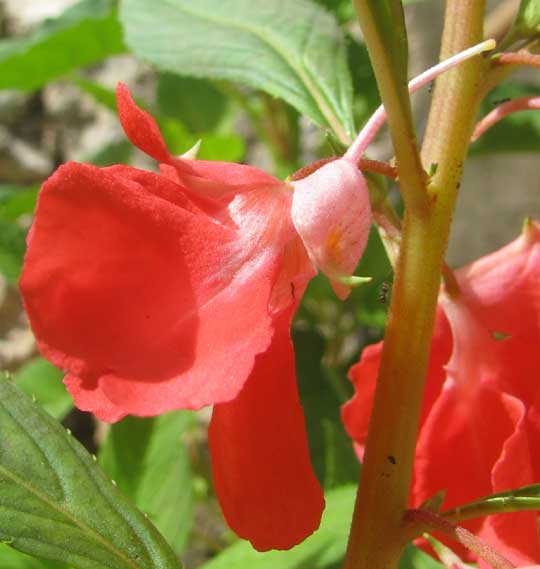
[521, 104]
[372, 127]
[522, 57]
[430, 522]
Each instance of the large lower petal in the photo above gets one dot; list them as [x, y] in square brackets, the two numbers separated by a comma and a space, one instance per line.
[260, 459]
[131, 290]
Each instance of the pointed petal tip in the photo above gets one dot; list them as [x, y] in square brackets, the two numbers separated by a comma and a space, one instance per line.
[139, 126]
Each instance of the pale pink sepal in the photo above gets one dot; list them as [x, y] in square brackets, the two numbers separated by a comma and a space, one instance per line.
[332, 215]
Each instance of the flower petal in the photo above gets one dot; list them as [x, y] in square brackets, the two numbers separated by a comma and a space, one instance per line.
[459, 445]
[140, 127]
[480, 433]
[504, 280]
[502, 292]
[357, 411]
[260, 459]
[331, 212]
[211, 178]
[218, 178]
[123, 279]
[517, 533]
[460, 456]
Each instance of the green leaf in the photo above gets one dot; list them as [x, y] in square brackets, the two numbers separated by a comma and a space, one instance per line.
[148, 460]
[388, 26]
[17, 200]
[13, 559]
[12, 248]
[342, 9]
[14, 202]
[321, 395]
[85, 33]
[194, 102]
[292, 50]
[227, 147]
[527, 23]
[57, 504]
[43, 382]
[518, 132]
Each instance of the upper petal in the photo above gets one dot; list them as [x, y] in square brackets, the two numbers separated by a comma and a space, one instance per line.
[140, 127]
[209, 178]
[260, 458]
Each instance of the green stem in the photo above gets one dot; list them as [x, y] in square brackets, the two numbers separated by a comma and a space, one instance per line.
[489, 507]
[451, 116]
[377, 533]
[394, 95]
[425, 521]
[377, 538]
[501, 506]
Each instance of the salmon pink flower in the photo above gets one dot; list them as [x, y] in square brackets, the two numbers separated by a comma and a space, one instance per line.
[480, 423]
[175, 291]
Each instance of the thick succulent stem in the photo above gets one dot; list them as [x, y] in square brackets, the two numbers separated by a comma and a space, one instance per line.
[377, 533]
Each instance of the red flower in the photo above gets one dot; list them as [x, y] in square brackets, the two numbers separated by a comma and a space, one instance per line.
[480, 425]
[159, 292]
